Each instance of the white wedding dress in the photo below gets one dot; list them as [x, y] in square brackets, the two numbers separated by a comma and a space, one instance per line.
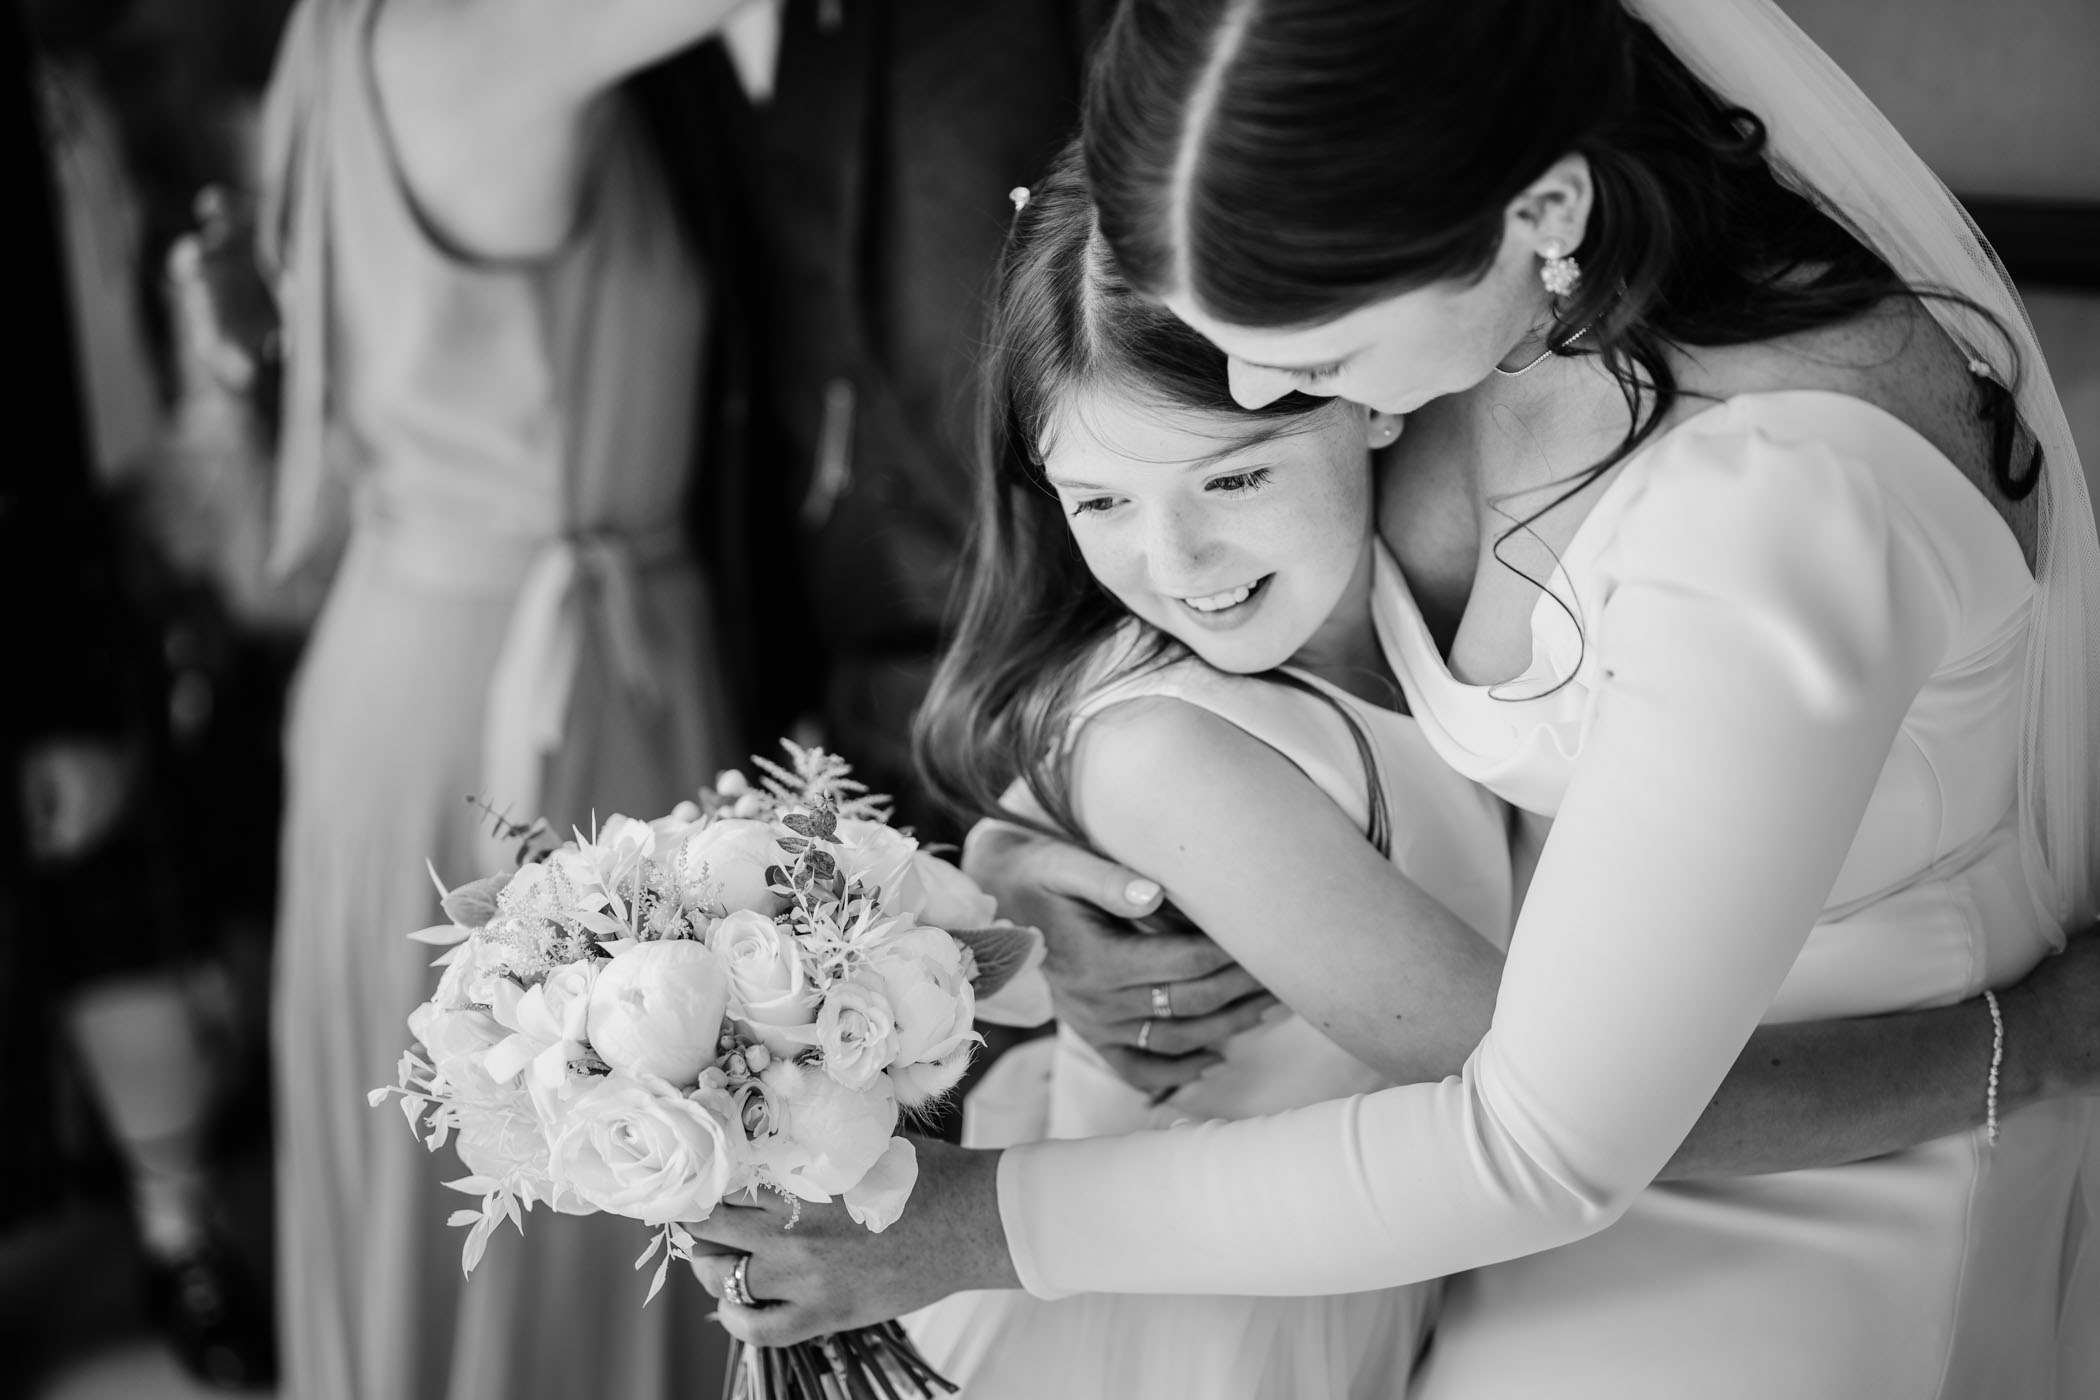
[1447, 835]
[1781, 769]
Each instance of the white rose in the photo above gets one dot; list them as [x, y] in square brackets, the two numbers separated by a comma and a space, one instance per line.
[856, 1032]
[506, 1141]
[953, 899]
[769, 988]
[725, 863]
[880, 857]
[920, 970]
[826, 1136]
[635, 1146]
[657, 1009]
[468, 978]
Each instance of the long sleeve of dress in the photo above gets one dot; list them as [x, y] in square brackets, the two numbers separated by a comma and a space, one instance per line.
[1770, 613]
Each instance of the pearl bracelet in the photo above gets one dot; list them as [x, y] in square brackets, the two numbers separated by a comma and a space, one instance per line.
[1990, 1097]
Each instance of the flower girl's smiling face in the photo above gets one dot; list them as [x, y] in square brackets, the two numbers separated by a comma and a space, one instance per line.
[1241, 538]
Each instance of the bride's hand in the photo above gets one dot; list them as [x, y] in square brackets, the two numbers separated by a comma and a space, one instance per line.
[1110, 944]
[829, 1274]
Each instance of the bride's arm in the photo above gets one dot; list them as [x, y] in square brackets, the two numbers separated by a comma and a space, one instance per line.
[489, 103]
[1272, 869]
[1811, 1094]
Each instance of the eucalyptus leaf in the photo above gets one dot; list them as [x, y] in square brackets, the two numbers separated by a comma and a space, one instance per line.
[657, 1282]
[473, 904]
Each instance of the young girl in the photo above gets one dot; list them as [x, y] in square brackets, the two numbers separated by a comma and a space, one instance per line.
[1177, 596]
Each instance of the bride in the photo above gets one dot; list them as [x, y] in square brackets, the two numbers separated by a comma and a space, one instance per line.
[1811, 737]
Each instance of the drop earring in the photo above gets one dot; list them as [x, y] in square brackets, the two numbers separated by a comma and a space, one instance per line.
[1559, 273]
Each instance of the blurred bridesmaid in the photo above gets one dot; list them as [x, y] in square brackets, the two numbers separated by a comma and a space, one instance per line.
[493, 327]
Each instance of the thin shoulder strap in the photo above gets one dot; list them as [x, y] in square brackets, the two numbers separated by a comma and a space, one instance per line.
[1325, 740]
[1378, 824]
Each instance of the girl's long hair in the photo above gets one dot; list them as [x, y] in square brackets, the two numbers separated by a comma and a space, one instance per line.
[1032, 622]
[1285, 162]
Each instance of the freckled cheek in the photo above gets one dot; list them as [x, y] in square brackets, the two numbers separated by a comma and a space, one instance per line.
[1336, 513]
[1326, 539]
[1118, 567]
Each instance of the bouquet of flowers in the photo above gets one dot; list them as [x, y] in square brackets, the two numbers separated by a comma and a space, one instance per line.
[748, 993]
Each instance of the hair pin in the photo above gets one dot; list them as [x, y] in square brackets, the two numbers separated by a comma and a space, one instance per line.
[1019, 195]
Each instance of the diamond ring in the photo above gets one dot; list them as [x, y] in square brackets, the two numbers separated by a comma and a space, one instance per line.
[738, 1288]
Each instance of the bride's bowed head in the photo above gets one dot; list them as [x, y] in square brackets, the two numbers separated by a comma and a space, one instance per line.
[1463, 193]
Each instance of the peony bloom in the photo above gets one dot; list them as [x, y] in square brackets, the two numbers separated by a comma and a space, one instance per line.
[635, 1146]
[769, 986]
[725, 863]
[656, 1009]
[920, 971]
[826, 1136]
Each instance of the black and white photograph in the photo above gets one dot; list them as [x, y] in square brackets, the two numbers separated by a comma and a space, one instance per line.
[1052, 700]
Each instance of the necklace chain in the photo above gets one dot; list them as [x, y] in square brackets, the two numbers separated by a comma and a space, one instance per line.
[1539, 359]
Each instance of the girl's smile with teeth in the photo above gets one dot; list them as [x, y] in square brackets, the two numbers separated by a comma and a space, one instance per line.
[1230, 598]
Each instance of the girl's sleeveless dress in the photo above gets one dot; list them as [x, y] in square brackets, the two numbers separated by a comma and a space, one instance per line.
[1448, 835]
[1779, 754]
[515, 617]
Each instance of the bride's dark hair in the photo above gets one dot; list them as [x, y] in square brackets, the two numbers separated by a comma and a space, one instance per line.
[1032, 621]
[1284, 162]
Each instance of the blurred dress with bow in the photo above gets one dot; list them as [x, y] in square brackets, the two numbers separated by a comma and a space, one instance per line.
[516, 617]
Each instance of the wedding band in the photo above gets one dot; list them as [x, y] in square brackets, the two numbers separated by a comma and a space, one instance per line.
[1162, 1004]
[738, 1288]
[1145, 1038]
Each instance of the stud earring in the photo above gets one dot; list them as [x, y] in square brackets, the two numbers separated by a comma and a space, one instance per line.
[1559, 273]
[1385, 434]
